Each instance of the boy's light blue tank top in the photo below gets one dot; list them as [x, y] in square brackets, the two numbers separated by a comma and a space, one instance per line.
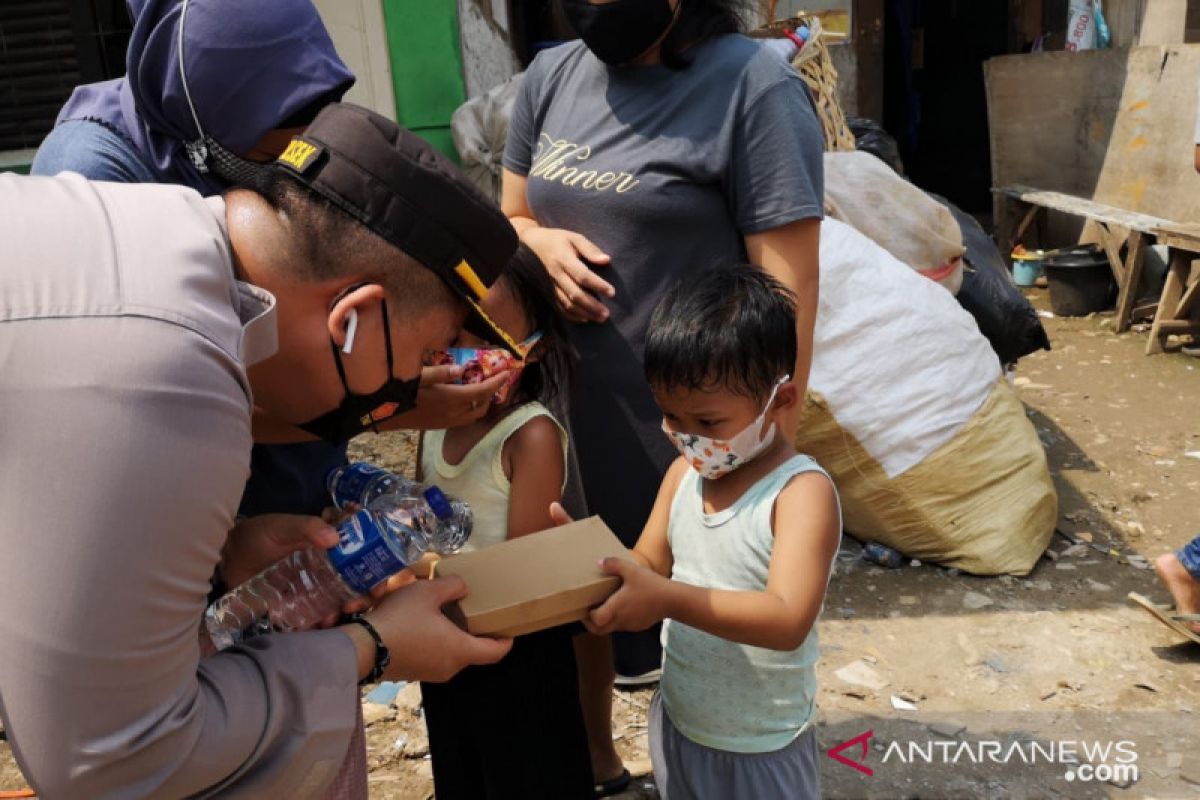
[719, 693]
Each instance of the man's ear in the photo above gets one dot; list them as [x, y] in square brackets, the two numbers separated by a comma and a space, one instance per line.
[360, 299]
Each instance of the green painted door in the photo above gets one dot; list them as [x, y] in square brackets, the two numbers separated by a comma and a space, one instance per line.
[427, 70]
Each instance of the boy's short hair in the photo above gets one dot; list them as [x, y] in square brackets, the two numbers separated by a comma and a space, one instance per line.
[732, 327]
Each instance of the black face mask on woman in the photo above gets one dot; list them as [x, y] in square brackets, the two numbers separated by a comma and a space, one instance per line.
[619, 31]
[360, 412]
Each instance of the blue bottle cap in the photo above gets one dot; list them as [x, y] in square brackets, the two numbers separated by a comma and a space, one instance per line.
[438, 502]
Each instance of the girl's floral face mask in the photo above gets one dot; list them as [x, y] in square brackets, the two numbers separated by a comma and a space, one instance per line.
[481, 363]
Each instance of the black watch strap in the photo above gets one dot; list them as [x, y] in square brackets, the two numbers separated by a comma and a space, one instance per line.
[382, 656]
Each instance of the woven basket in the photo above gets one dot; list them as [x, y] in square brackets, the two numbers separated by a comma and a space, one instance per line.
[816, 67]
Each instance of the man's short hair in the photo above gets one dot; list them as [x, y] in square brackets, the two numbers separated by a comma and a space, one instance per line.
[732, 327]
[326, 243]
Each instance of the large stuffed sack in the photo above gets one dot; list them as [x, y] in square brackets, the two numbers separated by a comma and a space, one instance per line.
[866, 194]
[929, 447]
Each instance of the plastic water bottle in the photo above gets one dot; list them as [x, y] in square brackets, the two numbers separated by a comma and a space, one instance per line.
[309, 585]
[364, 483]
[360, 482]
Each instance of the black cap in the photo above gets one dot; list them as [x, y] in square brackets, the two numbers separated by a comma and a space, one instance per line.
[397, 185]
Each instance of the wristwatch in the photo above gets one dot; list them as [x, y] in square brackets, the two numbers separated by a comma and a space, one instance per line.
[382, 656]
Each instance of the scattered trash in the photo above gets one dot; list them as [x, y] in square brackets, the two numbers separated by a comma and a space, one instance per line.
[975, 601]
[916, 562]
[857, 673]
[1046, 314]
[882, 555]
[1075, 551]
[385, 693]
[1098, 586]
[902, 705]
[1064, 566]
[1147, 685]
[1192, 454]
[996, 664]
[1048, 695]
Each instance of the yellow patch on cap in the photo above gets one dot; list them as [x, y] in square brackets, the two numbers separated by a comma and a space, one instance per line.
[464, 271]
[299, 154]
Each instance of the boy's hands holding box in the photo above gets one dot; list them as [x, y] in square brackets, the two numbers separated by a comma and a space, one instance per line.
[639, 603]
[536, 582]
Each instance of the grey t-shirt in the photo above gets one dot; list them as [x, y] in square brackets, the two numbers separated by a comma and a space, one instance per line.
[666, 171]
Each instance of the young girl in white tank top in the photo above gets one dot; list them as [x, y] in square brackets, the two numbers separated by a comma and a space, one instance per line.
[514, 728]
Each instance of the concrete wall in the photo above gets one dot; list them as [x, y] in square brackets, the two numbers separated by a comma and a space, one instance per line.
[358, 33]
[488, 58]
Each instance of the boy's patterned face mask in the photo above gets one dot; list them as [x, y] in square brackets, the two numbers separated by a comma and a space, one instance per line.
[481, 363]
[715, 458]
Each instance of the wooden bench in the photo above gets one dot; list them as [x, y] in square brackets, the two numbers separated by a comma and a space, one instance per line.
[1115, 227]
[1179, 307]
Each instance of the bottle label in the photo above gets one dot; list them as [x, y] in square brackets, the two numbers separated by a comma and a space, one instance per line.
[363, 557]
[353, 482]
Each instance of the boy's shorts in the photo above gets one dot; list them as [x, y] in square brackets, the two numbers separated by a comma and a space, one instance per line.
[685, 770]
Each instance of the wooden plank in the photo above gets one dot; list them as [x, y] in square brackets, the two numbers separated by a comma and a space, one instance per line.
[1089, 209]
[1026, 221]
[1112, 126]
[1124, 19]
[1163, 22]
[1132, 277]
[1184, 237]
[1112, 249]
[1179, 265]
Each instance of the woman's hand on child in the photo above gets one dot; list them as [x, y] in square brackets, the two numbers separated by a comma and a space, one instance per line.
[569, 258]
[639, 603]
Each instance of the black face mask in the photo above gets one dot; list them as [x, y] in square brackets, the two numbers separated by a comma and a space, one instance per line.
[360, 412]
[619, 31]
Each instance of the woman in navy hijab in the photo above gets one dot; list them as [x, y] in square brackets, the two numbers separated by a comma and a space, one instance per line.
[257, 73]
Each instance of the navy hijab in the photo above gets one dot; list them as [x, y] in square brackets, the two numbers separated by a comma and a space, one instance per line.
[252, 65]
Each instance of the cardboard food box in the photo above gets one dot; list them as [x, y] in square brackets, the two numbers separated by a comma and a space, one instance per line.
[534, 582]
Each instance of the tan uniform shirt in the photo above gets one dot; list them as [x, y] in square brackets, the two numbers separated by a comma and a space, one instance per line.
[124, 446]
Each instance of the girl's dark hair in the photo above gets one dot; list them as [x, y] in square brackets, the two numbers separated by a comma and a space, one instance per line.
[732, 327]
[699, 21]
[548, 378]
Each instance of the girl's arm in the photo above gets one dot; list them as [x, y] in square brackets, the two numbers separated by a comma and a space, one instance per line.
[791, 254]
[806, 529]
[535, 456]
[563, 252]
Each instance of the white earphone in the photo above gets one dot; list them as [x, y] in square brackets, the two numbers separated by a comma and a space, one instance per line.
[351, 329]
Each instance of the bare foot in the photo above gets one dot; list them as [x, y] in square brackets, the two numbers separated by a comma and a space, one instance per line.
[1183, 587]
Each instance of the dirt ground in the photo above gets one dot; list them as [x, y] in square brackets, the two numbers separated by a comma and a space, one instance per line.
[1054, 658]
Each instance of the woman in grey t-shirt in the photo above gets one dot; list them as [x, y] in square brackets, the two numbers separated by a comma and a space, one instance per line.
[661, 143]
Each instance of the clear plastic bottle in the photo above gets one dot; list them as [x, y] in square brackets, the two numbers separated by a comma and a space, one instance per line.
[364, 483]
[360, 482]
[309, 585]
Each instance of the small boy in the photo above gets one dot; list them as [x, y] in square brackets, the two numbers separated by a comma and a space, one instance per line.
[737, 552]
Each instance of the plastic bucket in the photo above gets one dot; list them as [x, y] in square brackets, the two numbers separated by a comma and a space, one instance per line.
[1026, 270]
[1080, 281]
